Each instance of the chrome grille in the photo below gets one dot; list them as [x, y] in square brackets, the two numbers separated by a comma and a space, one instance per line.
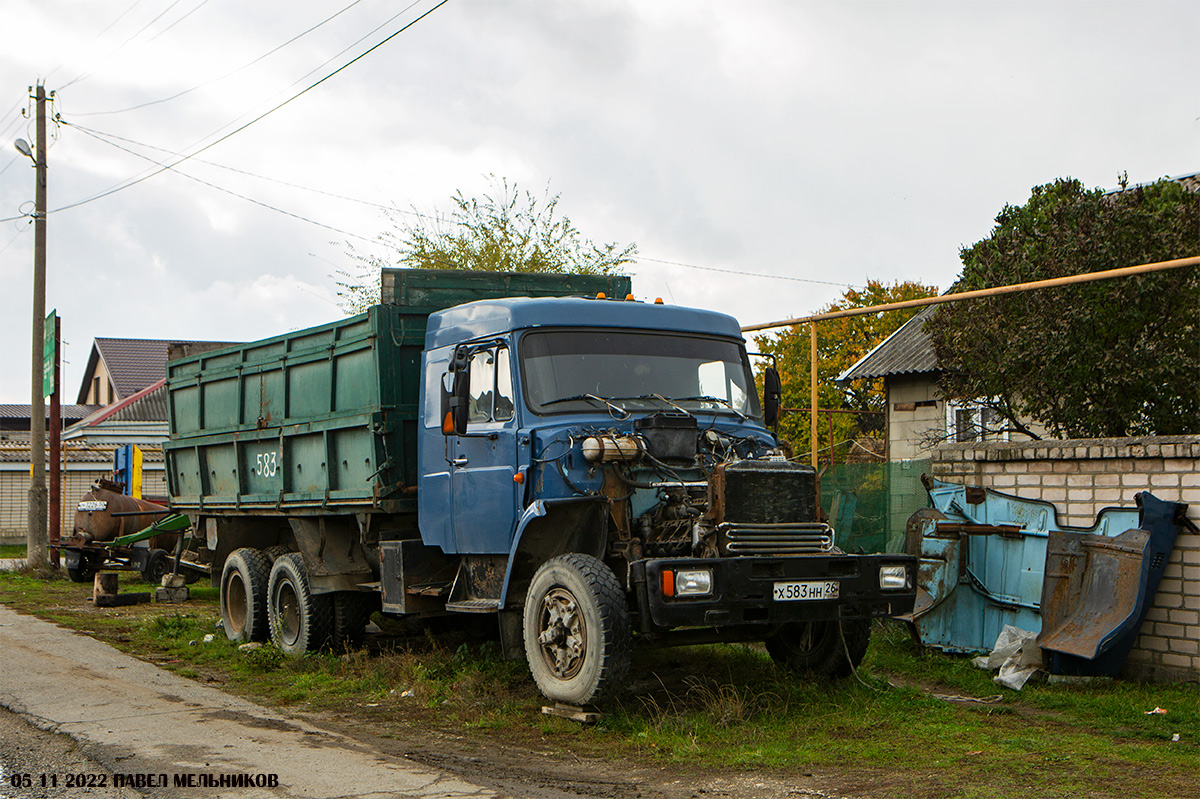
[800, 538]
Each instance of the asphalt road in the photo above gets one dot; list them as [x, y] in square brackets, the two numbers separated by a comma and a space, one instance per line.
[130, 718]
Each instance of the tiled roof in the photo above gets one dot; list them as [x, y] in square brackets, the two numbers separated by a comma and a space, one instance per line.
[132, 363]
[68, 411]
[907, 351]
[19, 453]
[147, 405]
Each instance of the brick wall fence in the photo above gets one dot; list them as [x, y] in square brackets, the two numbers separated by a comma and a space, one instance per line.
[1082, 477]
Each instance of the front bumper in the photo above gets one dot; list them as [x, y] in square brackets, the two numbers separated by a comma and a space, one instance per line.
[742, 590]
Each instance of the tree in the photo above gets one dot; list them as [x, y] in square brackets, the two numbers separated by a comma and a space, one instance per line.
[1109, 358]
[840, 344]
[506, 230]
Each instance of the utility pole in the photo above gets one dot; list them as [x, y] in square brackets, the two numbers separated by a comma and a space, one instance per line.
[56, 441]
[36, 535]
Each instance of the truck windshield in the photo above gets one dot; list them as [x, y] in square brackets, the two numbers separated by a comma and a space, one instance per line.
[571, 370]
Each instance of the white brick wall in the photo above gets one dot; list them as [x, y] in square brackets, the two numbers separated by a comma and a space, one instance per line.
[1081, 478]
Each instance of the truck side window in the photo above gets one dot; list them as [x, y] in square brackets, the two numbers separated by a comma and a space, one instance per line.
[491, 386]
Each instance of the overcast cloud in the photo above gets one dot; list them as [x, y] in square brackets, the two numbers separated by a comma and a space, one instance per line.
[830, 142]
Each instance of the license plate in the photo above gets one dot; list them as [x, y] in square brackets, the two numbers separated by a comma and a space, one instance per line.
[798, 591]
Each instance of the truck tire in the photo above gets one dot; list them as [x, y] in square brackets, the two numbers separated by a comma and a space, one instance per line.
[273, 552]
[301, 621]
[576, 630]
[351, 612]
[158, 565]
[244, 595]
[816, 647]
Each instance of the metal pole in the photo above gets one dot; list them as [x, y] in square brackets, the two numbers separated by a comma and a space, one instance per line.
[35, 537]
[812, 362]
[1125, 271]
[56, 447]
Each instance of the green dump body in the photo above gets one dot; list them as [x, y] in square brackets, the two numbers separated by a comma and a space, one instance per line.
[324, 420]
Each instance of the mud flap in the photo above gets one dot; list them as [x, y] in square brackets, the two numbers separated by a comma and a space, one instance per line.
[1097, 590]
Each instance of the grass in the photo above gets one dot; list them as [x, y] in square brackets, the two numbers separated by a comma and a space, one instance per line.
[12, 551]
[910, 724]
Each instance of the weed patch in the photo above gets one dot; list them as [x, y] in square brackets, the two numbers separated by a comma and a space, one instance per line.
[914, 721]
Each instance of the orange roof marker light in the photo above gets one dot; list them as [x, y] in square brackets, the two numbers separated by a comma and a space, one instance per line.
[629, 298]
[658, 301]
[600, 295]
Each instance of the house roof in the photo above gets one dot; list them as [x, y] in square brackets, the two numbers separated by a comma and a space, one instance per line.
[68, 412]
[147, 405]
[907, 351]
[132, 363]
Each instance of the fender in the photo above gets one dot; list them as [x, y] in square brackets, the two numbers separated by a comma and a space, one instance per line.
[551, 527]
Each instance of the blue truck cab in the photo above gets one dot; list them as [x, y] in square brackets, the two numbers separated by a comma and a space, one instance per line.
[606, 467]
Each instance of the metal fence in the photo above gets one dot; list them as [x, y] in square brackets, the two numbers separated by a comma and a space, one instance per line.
[868, 504]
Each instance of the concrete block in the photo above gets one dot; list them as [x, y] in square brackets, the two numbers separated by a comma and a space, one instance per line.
[1054, 494]
[1164, 480]
[1178, 661]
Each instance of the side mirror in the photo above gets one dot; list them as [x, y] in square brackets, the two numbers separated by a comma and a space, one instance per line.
[455, 399]
[772, 396]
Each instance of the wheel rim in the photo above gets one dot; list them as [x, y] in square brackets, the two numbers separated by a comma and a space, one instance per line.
[562, 634]
[288, 614]
[235, 603]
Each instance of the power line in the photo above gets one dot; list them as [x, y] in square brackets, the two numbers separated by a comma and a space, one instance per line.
[108, 138]
[201, 5]
[227, 74]
[259, 118]
[749, 274]
[88, 73]
[172, 167]
[112, 136]
[106, 29]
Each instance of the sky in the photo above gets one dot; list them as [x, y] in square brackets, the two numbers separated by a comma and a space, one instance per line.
[763, 155]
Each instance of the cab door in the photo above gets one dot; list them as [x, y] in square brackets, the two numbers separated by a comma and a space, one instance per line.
[482, 461]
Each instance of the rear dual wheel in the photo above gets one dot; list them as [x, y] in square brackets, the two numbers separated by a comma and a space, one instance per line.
[300, 620]
[244, 582]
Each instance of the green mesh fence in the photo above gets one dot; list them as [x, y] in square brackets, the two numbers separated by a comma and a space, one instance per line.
[868, 504]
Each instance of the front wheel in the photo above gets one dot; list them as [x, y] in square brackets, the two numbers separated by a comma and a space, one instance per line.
[301, 621]
[824, 648]
[576, 630]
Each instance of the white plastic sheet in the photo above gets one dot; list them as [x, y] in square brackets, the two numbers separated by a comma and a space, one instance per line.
[1017, 656]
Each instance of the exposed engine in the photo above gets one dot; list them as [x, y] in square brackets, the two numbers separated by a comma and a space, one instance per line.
[677, 491]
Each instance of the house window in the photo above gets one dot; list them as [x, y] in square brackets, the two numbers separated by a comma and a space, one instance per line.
[968, 421]
[95, 391]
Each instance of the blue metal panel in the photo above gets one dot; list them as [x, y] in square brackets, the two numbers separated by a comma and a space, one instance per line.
[982, 563]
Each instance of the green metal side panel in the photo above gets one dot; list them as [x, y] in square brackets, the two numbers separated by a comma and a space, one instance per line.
[323, 418]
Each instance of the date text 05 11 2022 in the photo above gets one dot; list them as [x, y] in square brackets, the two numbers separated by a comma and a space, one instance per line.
[161, 780]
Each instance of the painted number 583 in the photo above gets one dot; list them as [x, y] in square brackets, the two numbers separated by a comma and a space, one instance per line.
[267, 465]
